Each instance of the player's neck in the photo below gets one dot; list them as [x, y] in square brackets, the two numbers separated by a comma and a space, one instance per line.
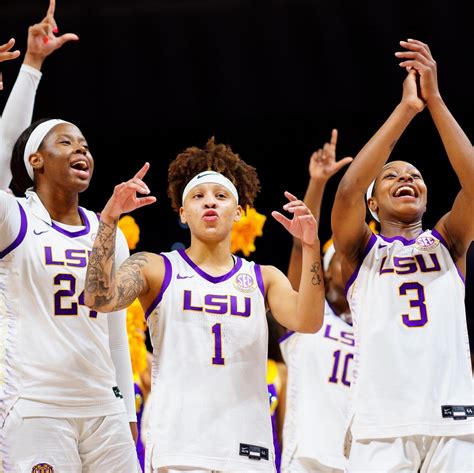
[60, 206]
[409, 231]
[213, 258]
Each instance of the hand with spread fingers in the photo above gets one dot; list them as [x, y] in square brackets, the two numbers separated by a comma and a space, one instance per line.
[303, 225]
[417, 57]
[43, 39]
[125, 199]
[323, 164]
[7, 55]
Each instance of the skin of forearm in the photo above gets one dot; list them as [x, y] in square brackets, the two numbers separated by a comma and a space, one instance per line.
[33, 60]
[100, 278]
[372, 157]
[310, 304]
[458, 146]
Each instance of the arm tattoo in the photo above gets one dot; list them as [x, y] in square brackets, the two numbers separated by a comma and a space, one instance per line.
[316, 279]
[131, 283]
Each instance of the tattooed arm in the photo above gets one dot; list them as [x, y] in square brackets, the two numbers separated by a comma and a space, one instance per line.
[299, 311]
[107, 289]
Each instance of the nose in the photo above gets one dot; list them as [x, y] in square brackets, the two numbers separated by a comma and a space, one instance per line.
[210, 202]
[81, 149]
[406, 176]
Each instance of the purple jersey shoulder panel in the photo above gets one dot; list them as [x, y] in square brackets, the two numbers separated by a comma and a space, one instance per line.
[164, 286]
[367, 249]
[21, 234]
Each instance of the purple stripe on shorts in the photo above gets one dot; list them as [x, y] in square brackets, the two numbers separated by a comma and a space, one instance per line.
[84, 231]
[438, 235]
[369, 246]
[21, 234]
[213, 279]
[258, 275]
[164, 286]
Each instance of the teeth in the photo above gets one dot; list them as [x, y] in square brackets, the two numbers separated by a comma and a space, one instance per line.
[405, 189]
[81, 165]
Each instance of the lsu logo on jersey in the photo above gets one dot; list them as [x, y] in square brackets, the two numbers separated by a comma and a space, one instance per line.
[244, 282]
[42, 468]
[426, 242]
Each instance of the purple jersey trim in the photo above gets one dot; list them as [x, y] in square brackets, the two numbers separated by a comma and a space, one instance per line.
[21, 234]
[287, 335]
[368, 247]
[438, 235]
[84, 231]
[399, 238]
[213, 279]
[258, 275]
[164, 286]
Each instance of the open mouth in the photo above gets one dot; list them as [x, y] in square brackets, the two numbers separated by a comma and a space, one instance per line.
[406, 191]
[81, 165]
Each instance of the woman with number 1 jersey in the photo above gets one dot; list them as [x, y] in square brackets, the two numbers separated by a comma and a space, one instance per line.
[206, 311]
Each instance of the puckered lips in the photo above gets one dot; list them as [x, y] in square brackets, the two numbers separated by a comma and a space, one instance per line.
[407, 192]
[81, 166]
[210, 215]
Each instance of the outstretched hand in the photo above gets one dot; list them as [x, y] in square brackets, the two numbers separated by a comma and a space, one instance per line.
[125, 198]
[42, 39]
[418, 57]
[7, 55]
[323, 164]
[303, 225]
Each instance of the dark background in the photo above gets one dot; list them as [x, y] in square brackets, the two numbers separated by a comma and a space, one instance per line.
[270, 78]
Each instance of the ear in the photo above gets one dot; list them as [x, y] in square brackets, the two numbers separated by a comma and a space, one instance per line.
[238, 213]
[182, 216]
[36, 160]
[372, 203]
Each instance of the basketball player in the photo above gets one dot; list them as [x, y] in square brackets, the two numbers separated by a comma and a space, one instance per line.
[412, 395]
[319, 365]
[206, 313]
[61, 407]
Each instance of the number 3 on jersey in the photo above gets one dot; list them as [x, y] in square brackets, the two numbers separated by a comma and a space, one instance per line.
[418, 303]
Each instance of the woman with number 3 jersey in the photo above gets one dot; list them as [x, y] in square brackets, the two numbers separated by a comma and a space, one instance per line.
[412, 393]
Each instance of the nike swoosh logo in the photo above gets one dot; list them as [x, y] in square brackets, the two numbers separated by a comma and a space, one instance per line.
[39, 233]
[183, 277]
[205, 174]
[381, 245]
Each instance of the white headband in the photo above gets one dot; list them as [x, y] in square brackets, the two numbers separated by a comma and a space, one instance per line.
[34, 142]
[206, 177]
[368, 196]
[327, 258]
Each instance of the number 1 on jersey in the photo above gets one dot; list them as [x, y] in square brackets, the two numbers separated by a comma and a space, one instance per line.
[217, 358]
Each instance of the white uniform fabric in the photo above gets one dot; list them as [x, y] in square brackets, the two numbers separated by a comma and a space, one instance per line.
[55, 354]
[412, 349]
[317, 395]
[209, 392]
[16, 117]
[82, 445]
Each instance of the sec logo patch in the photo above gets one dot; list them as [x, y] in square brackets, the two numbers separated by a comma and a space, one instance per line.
[42, 468]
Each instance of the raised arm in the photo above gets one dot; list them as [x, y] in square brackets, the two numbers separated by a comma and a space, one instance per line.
[108, 289]
[18, 110]
[322, 166]
[299, 311]
[457, 227]
[350, 230]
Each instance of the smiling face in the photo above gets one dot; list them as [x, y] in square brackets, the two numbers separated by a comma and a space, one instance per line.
[399, 194]
[210, 210]
[64, 159]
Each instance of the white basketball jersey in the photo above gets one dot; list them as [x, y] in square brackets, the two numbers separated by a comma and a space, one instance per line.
[210, 341]
[319, 377]
[54, 352]
[412, 371]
